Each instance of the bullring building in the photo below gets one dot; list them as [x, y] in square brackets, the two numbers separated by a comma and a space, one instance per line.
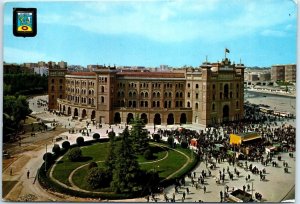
[210, 94]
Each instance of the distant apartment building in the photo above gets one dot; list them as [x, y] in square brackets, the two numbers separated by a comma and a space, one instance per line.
[41, 70]
[284, 72]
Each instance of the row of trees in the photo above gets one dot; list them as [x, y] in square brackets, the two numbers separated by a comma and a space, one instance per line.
[15, 109]
[24, 84]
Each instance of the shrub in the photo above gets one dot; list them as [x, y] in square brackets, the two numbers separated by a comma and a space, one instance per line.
[171, 141]
[66, 145]
[156, 137]
[98, 178]
[184, 144]
[47, 156]
[92, 165]
[96, 136]
[148, 154]
[80, 141]
[111, 135]
[75, 154]
[56, 149]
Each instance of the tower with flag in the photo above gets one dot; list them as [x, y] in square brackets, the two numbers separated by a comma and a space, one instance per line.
[226, 51]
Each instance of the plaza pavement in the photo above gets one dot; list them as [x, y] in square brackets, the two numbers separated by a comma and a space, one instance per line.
[274, 189]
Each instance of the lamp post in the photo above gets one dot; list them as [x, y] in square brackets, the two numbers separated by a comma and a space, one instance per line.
[46, 159]
[252, 189]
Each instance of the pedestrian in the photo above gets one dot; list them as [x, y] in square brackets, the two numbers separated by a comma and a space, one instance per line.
[183, 195]
[204, 189]
[11, 172]
[28, 174]
[187, 190]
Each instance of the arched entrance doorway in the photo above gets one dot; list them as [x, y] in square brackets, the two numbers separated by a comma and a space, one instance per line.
[183, 118]
[144, 118]
[157, 119]
[75, 112]
[170, 120]
[117, 118]
[129, 118]
[225, 113]
[83, 114]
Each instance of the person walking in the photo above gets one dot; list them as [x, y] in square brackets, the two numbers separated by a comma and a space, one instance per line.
[28, 173]
[204, 189]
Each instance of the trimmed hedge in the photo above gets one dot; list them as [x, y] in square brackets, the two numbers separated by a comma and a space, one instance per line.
[46, 182]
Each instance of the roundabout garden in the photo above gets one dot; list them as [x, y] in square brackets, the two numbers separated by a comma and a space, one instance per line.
[127, 166]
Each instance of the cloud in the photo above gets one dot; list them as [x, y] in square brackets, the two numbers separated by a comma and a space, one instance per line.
[176, 20]
[276, 33]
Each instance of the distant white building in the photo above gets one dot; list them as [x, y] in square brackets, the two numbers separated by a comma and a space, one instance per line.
[41, 70]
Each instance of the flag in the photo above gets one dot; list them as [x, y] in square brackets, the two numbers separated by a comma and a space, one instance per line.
[226, 50]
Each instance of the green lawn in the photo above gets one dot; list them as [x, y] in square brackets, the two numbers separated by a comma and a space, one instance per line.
[166, 162]
[91, 153]
[95, 152]
[166, 167]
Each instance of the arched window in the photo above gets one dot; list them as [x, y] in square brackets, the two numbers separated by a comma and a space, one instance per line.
[188, 104]
[197, 86]
[102, 99]
[142, 94]
[166, 94]
[158, 94]
[189, 94]
[213, 107]
[102, 89]
[157, 104]
[180, 94]
[196, 106]
[130, 94]
[146, 95]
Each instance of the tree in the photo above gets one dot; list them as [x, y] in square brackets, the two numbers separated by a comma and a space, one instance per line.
[75, 154]
[56, 149]
[96, 136]
[92, 165]
[98, 178]
[111, 156]
[148, 154]
[66, 145]
[80, 141]
[139, 136]
[126, 169]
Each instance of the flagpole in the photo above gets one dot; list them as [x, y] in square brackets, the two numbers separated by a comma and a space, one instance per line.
[225, 53]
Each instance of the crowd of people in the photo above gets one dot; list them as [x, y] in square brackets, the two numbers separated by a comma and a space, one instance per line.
[273, 130]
